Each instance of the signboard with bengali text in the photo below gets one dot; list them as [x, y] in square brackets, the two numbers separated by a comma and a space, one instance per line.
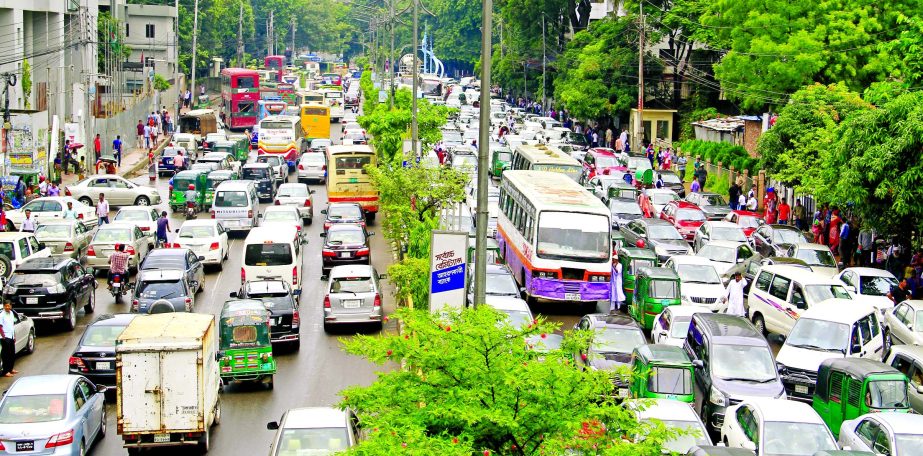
[448, 270]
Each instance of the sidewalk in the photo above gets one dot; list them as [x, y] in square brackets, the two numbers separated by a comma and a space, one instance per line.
[133, 160]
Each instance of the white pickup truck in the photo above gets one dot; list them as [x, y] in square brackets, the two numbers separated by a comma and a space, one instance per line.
[167, 381]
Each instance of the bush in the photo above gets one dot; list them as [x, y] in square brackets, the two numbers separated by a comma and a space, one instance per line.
[726, 153]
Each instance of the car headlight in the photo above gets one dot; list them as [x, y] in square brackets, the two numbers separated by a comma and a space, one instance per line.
[661, 250]
[715, 396]
[599, 278]
[546, 275]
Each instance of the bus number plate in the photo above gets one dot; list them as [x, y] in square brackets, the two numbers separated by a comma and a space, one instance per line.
[572, 296]
[353, 180]
[161, 438]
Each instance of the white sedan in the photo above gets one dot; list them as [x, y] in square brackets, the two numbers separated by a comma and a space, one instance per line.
[145, 217]
[118, 191]
[51, 208]
[206, 238]
[674, 415]
[776, 426]
[871, 284]
[894, 434]
[297, 196]
[283, 215]
[672, 325]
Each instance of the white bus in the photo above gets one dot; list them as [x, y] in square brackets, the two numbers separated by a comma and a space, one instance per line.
[540, 157]
[555, 236]
[281, 135]
[333, 97]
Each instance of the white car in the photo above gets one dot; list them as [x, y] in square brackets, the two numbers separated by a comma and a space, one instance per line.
[313, 430]
[672, 325]
[776, 427]
[50, 208]
[299, 197]
[700, 283]
[516, 309]
[724, 254]
[118, 191]
[817, 256]
[660, 197]
[320, 144]
[673, 415]
[904, 324]
[888, 433]
[206, 238]
[145, 217]
[18, 247]
[283, 215]
[312, 166]
[871, 284]
[223, 159]
[718, 230]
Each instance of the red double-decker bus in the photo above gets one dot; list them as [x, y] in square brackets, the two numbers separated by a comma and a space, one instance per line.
[240, 95]
[275, 62]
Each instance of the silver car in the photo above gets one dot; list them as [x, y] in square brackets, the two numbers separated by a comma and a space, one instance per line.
[52, 414]
[279, 166]
[65, 237]
[313, 430]
[24, 333]
[118, 190]
[143, 216]
[353, 296]
[154, 288]
[312, 166]
[299, 197]
[103, 244]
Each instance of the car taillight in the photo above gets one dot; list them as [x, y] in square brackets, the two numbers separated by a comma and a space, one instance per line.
[377, 300]
[64, 438]
[328, 253]
[277, 203]
[69, 247]
[301, 167]
[362, 252]
[243, 275]
[307, 203]
[214, 246]
[67, 192]
[295, 276]
[77, 363]
[188, 304]
[130, 250]
[212, 212]
[145, 228]
[250, 213]
[326, 226]
[327, 301]
[91, 251]
[296, 319]
[2, 447]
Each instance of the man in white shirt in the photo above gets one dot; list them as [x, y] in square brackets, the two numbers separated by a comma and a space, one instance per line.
[102, 209]
[28, 224]
[7, 340]
[734, 296]
[43, 187]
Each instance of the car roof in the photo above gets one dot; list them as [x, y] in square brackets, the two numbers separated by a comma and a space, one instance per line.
[665, 409]
[13, 236]
[870, 272]
[199, 222]
[685, 311]
[784, 410]
[338, 204]
[171, 252]
[600, 320]
[690, 259]
[507, 303]
[654, 222]
[916, 304]
[257, 165]
[266, 286]
[343, 226]
[860, 367]
[314, 417]
[811, 246]
[747, 213]
[118, 224]
[352, 270]
[901, 423]
[721, 224]
[267, 234]
[663, 352]
[53, 262]
[157, 275]
[234, 185]
[293, 184]
[801, 275]
[658, 273]
[728, 326]
[275, 208]
[41, 384]
[119, 319]
[838, 310]
[137, 208]
[685, 205]
[59, 222]
[724, 243]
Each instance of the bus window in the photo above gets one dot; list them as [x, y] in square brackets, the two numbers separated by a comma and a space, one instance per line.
[246, 107]
[246, 83]
[358, 163]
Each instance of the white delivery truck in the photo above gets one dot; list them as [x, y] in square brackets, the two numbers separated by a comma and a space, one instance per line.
[167, 381]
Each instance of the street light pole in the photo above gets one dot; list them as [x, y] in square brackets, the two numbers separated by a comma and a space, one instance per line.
[480, 261]
[413, 74]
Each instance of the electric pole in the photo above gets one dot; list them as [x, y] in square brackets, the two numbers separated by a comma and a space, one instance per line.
[480, 261]
[195, 35]
[272, 32]
[414, 139]
[293, 39]
[544, 64]
[391, 54]
[639, 123]
[240, 37]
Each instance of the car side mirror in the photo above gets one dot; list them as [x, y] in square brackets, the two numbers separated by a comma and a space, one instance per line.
[323, 235]
[740, 260]
[272, 425]
[101, 389]
[176, 231]
[777, 338]
[855, 348]
[382, 276]
[698, 364]
[323, 211]
[201, 258]
[748, 445]
[233, 294]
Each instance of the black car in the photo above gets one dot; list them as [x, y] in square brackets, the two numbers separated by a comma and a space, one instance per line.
[53, 288]
[262, 174]
[623, 211]
[774, 240]
[343, 213]
[177, 259]
[94, 357]
[345, 244]
[614, 339]
[277, 297]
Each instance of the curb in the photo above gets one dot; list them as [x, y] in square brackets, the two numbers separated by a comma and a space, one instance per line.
[142, 164]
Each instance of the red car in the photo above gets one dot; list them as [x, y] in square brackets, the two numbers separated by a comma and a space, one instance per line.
[602, 160]
[749, 221]
[685, 217]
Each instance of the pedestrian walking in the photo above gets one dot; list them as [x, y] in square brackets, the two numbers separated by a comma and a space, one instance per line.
[798, 215]
[28, 224]
[67, 154]
[617, 293]
[102, 209]
[623, 136]
[97, 145]
[117, 149]
[147, 136]
[70, 213]
[695, 187]
[53, 189]
[846, 247]
[733, 195]
[681, 168]
[784, 212]
[140, 135]
[734, 296]
[610, 143]
[833, 232]
[595, 138]
[7, 339]
[866, 247]
[751, 201]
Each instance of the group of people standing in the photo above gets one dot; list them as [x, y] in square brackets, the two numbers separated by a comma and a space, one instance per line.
[158, 123]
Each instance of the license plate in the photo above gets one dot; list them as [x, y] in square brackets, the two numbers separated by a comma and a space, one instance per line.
[231, 222]
[572, 296]
[801, 389]
[31, 300]
[28, 445]
[352, 303]
[103, 366]
[161, 438]
[346, 254]
[117, 285]
[623, 392]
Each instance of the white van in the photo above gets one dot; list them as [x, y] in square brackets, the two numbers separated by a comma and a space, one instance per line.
[236, 205]
[781, 294]
[273, 252]
[835, 328]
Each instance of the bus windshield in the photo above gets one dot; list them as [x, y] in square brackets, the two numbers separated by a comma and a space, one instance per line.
[573, 236]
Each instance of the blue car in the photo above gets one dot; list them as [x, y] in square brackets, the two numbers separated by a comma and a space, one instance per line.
[52, 415]
[166, 164]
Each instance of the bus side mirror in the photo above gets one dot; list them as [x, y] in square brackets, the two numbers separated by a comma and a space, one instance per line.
[272, 425]
[698, 364]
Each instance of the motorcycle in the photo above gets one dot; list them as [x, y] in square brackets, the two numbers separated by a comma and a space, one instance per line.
[118, 286]
[190, 210]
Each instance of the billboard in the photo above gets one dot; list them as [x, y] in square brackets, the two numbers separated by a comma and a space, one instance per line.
[448, 270]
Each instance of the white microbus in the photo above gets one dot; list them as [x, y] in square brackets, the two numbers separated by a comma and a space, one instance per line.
[333, 97]
[555, 236]
[540, 157]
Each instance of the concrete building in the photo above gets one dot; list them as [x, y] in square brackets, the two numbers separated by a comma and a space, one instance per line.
[150, 31]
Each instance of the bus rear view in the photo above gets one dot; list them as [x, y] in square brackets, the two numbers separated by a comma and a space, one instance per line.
[347, 179]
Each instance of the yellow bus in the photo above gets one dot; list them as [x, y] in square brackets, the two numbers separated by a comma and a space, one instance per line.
[315, 121]
[347, 179]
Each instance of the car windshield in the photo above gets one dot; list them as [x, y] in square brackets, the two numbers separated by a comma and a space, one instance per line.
[284, 216]
[134, 216]
[164, 262]
[783, 236]
[53, 231]
[690, 215]
[713, 200]
[351, 284]
[160, 290]
[819, 335]
[501, 284]
[784, 438]
[503, 156]
[344, 212]
[697, 273]
[275, 254]
[693, 434]
[639, 163]
[193, 232]
[603, 161]
[277, 302]
[255, 173]
[663, 289]
[113, 235]
[36, 408]
[670, 380]
[271, 159]
[518, 318]
[752, 363]
[887, 394]
[231, 199]
[679, 328]
[34, 279]
[660, 198]
[663, 232]
[624, 207]
[101, 335]
[718, 253]
[345, 237]
[728, 234]
[816, 257]
[870, 285]
[312, 441]
[617, 340]
[748, 221]
[669, 179]
[295, 190]
[573, 236]
[818, 293]
[908, 444]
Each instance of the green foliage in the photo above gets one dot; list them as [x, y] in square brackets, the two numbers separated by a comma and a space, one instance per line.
[411, 278]
[726, 153]
[474, 383]
[26, 82]
[907, 48]
[456, 29]
[389, 127]
[110, 41]
[161, 83]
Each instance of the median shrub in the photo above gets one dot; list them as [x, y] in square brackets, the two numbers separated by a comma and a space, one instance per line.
[726, 153]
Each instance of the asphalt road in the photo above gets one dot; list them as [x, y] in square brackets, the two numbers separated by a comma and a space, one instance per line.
[312, 376]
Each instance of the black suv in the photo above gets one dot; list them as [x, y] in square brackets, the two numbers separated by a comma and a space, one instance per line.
[94, 357]
[345, 244]
[52, 288]
[262, 175]
[278, 300]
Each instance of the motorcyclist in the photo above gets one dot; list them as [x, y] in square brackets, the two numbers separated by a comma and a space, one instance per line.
[191, 197]
[118, 262]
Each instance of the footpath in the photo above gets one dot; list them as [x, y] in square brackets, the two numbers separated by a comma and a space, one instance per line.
[133, 160]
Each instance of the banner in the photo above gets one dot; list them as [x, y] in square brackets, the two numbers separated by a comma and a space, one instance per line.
[448, 270]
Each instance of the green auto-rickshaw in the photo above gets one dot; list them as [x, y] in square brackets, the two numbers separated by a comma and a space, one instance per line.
[179, 185]
[655, 289]
[241, 146]
[212, 180]
[850, 387]
[632, 259]
[245, 348]
[224, 146]
[500, 159]
[622, 190]
[662, 371]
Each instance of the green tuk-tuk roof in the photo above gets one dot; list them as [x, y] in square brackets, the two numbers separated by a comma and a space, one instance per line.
[221, 174]
[662, 353]
[243, 308]
[658, 273]
[638, 252]
[190, 174]
[859, 368]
